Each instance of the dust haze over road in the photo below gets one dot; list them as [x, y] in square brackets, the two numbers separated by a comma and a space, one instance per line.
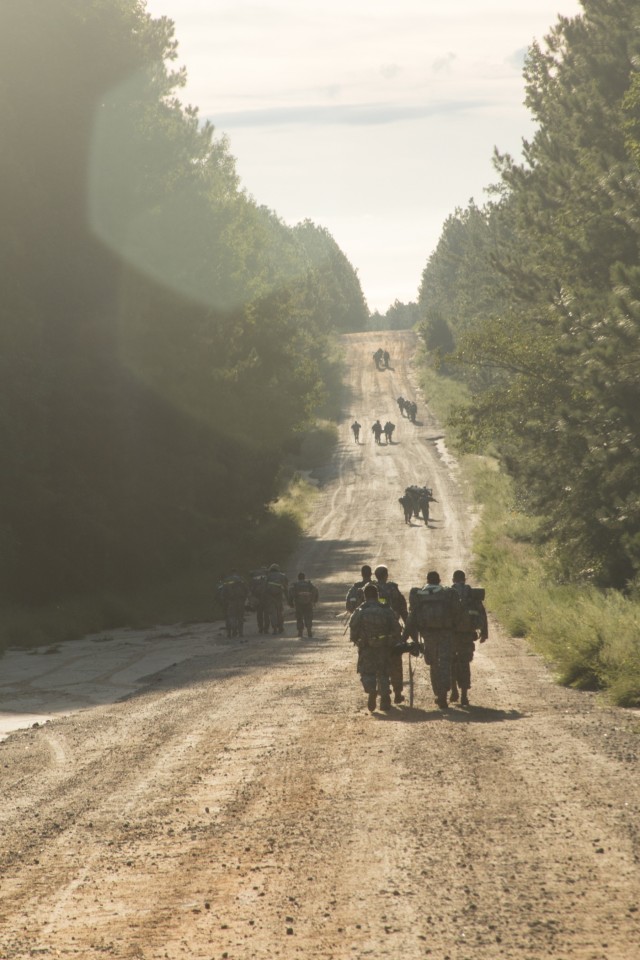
[239, 800]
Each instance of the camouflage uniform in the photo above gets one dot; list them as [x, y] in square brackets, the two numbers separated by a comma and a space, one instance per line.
[276, 589]
[438, 643]
[257, 591]
[389, 595]
[234, 594]
[355, 596]
[302, 596]
[464, 641]
[375, 630]
[407, 506]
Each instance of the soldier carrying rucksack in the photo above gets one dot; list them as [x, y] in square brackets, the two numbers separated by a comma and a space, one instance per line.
[389, 595]
[302, 597]
[276, 589]
[233, 593]
[435, 614]
[474, 626]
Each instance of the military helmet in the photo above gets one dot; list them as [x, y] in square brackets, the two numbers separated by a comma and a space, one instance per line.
[274, 566]
[381, 571]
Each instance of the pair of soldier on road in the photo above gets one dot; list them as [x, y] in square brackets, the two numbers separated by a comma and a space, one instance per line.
[447, 620]
[384, 611]
[377, 430]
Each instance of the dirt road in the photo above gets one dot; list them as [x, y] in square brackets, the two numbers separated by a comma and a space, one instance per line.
[241, 802]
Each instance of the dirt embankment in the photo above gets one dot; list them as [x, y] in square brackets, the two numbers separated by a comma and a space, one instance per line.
[239, 801]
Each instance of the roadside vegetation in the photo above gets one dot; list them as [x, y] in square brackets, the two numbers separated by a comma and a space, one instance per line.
[589, 635]
[532, 303]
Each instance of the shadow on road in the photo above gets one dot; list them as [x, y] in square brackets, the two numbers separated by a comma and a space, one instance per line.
[472, 714]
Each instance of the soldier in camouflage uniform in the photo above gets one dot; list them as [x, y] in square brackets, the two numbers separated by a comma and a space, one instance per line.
[233, 593]
[389, 594]
[474, 627]
[257, 593]
[375, 630]
[355, 596]
[276, 590]
[302, 596]
[435, 613]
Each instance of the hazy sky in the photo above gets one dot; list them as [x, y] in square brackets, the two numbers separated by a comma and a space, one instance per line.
[373, 118]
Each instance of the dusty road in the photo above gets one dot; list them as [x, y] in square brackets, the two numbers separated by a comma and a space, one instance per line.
[241, 802]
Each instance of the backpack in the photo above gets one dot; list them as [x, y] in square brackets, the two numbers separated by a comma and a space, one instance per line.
[472, 609]
[303, 591]
[235, 589]
[275, 589]
[435, 609]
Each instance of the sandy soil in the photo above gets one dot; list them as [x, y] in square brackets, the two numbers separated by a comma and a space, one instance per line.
[194, 797]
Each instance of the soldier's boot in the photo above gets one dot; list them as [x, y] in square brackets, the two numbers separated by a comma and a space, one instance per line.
[385, 702]
[454, 696]
[398, 696]
[441, 700]
[464, 699]
[371, 701]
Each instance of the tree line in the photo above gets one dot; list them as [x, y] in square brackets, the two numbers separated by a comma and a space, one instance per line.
[534, 299]
[164, 337]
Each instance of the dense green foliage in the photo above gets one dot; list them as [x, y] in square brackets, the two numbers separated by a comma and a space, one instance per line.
[538, 296]
[163, 338]
[399, 316]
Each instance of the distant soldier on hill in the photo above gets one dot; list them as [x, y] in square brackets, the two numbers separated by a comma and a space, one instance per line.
[412, 409]
[302, 597]
[276, 589]
[407, 506]
[401, 403]
[233, 593]
[386, 358]
[388, 430]
[377, 358]
[355, 429]
[258, 595]
[377, 431]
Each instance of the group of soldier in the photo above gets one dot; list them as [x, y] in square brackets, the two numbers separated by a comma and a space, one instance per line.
[441, 624]
[266, 591]
[408, 408]
[381, 359]
[415, 501]
[377, 430]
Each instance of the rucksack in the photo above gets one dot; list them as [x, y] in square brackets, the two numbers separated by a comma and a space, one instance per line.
[435, 609]
[235, 589]
[275, 588]
[471, 602]
[303, 591]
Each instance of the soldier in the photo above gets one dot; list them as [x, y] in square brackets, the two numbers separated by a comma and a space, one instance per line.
[475, 628]
[435, 613]
[424, 497]
[407, 506]
[375, 630]
[302, 596]
[388, 430]
[355, 429]
[376, 430]
[412, 410]
[401, 402]
[234, 594]
[258, 594]
[386, 358]
[389, 594]
[355, 596]
[276, 589]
